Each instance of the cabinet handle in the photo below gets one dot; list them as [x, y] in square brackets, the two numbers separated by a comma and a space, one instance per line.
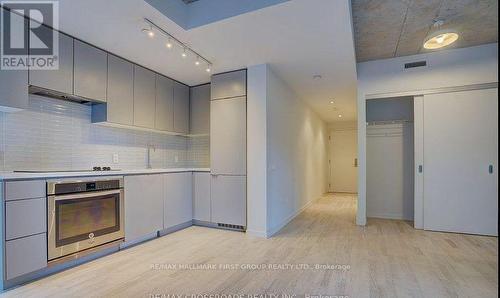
[490, 169]
[355, 162]
[420, 168]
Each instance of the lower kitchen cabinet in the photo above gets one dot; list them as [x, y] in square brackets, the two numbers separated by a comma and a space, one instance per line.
[143, 205]
[25, 255]
[178, 206]
[228, 199]
[201, 197]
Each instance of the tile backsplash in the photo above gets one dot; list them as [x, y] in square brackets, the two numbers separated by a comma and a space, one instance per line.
[53, 134]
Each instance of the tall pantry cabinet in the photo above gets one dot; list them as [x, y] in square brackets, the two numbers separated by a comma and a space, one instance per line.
[228, 134]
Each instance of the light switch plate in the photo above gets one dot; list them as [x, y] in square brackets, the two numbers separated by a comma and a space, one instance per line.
[115, 158]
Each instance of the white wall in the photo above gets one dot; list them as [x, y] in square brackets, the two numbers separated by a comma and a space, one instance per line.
[450, 68]
[293, 171]
[297, 143]
[257, 150]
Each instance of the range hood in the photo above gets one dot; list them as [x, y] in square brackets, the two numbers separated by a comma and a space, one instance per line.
[60, 95]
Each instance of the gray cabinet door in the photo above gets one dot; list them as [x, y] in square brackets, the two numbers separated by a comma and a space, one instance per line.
[143, 205]
[120, 100]
[178, 199]
[164, 119]
[201, 196]
[25, 189]
[25, 218]
[25, 255]
[199, 117]
[61, 79]
[91, 68]
[144, 97]
[14, 83]
[181, 108]
[228, 136]
[228, 197]
[231, 84]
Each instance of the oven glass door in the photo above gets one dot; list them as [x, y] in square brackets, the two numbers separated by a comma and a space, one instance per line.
[81, 221]
[83, 218]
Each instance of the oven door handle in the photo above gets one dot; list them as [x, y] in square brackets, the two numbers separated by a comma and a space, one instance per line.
[85, 195]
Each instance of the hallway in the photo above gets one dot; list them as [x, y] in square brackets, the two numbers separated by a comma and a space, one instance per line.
[384, 259]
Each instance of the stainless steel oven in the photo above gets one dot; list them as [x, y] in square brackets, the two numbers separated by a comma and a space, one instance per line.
[84, 214]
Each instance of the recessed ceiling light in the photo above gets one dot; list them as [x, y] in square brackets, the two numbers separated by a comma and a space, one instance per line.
[440, 40]
[331, 102]
[340, 115]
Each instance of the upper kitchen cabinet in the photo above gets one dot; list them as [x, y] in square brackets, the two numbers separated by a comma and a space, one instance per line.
[231, 84]
[181, 108]
[199, 117]
[120, 103]
[61, 79]
[144, 97]
[164, 119]
[90, 71]
[14, 83]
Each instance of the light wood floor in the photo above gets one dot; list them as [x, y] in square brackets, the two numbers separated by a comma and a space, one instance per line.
[387, 258]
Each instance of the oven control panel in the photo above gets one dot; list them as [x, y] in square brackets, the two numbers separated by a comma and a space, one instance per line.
[68, 187]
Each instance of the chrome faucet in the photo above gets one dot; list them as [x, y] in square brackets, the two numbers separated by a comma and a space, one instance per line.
[150, 146]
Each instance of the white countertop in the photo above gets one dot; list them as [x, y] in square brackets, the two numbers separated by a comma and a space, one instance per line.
[22, 176]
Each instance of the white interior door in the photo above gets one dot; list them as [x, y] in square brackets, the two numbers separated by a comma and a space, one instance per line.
[343, 161]
[460, 146]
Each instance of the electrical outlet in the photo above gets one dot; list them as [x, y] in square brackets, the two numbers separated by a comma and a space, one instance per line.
[115, 158]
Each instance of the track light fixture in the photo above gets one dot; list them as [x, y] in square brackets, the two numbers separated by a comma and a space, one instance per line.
[149, 31]
[172, 41]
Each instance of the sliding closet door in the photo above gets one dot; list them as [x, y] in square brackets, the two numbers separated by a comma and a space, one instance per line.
[460, 152]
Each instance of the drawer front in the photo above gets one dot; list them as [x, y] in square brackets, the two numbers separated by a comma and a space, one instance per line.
[25, 218]
[29, 189]
[25, 255]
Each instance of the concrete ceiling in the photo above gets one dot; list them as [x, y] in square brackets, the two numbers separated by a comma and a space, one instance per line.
[394, 28]
[297, 39]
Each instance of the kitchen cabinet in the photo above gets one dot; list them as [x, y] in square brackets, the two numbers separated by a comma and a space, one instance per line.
[25, 217]
[119, 107]
[164, 119]
[26, 189]
[90, 71]
[199, 115]
[228, 136]
[228, 199]
[144, 97]
[14, 83]
[201, 197]
[178, 206]
[25, 255]
[61, 79]
[230, 84]
[143, 205]
[181, 108]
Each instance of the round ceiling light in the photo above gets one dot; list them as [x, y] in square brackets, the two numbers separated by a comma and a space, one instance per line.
[440, 40]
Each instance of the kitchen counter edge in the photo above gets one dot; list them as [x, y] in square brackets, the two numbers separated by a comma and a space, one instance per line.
[6, 176]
